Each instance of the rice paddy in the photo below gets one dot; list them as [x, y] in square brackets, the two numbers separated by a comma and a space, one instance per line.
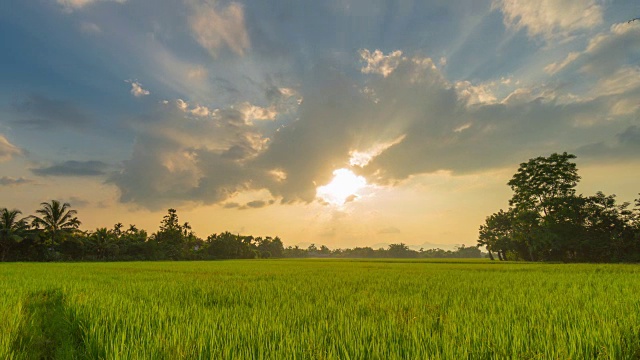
[319, 309]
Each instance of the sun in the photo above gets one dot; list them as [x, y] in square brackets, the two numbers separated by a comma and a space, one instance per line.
[343, 187]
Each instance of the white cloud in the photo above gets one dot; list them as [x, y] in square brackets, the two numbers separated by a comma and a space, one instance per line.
[622, 81]
[7, 149]
[197, 110]
[214, 26]
[71, 5]
[475, 94]
[252, 112]
[610, 50]
[362, 158]
[379, 63]
[605, 53]
[137, 90]
[551, 19]
[197, 72]
[90, 28]
[557, 66]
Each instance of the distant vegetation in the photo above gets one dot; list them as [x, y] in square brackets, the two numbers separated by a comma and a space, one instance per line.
[53, 234]
[547, 221]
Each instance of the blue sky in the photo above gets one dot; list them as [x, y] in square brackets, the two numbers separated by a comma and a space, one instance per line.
[241, 110]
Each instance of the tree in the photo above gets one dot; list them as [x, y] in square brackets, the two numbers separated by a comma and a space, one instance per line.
[12, 230]
[104, 243]
[56, 220]
[496, 234]
[543, 201]
[543, 179]
[173, 240]
[230, 246]
[547, 221]
[400, 250]
[133, 243]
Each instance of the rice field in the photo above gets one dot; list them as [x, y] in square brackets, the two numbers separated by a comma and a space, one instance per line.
[319, 309]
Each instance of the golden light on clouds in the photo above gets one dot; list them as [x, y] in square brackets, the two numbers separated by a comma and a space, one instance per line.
[362, 158]
[343, 188]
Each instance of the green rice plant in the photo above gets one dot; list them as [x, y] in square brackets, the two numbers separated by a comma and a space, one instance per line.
[320, 309]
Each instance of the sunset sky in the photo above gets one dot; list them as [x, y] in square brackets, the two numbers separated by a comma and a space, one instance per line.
[338, 122]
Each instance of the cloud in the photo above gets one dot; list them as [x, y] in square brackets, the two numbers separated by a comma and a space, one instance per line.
[252, 112]
[551, 19]
[90, 28]
[7, 149]
[10, 181]
[71, 5]
[75, 201]
[197, 110]
[181, 157]
[137, 90]
[418, 123]
[231, 205]
[42, 113]
[214, 25]
[257, 204]
[557, 66]
[389, 230]
[605, 53]
[74, 168]
[475, 94]
[624, 146]
[631, 136]
[379, 63]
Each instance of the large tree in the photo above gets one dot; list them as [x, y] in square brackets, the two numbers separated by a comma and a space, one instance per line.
[547, 221]
[56, 219]
[539, 182]
[12, 230]
[175, 241]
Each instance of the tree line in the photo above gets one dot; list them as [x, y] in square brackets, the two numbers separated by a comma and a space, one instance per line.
[547, 221]
[399, 250]
[53, 234]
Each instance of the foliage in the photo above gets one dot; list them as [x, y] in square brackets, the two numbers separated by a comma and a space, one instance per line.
[55, 236]
[547, 221]
[12, 230]
[57, 220]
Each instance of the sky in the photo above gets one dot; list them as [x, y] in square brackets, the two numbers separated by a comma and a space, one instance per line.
[338, 122]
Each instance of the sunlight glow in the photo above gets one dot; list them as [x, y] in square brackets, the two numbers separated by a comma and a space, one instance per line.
[362, 158]
[342, 189]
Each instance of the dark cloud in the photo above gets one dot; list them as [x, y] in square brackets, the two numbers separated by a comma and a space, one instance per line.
[42, 113]
[9, 181]
[427, 123]
[257, 204]
[624, 146]
[74, 168]
[179, 157]
[75, 202]
[631, 136]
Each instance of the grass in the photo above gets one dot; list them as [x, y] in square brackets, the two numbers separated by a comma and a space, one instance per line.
[319, 309]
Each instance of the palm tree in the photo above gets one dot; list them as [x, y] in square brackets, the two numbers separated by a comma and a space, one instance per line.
[12, 229]
[103, 242]
[56, 219]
